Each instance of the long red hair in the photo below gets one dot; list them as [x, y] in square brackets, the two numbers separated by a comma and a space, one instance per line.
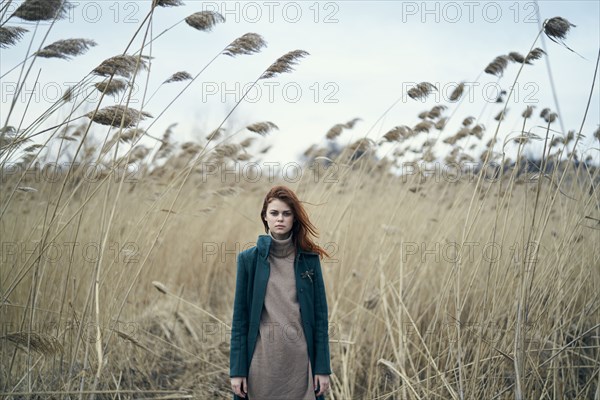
[302, 227]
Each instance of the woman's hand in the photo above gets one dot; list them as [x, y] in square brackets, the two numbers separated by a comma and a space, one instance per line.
[323, 382]
[239, 384]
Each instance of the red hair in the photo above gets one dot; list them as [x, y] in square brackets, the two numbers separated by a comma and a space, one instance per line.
[302, 226]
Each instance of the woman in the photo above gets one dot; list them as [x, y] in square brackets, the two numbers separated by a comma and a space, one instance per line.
[279, 335]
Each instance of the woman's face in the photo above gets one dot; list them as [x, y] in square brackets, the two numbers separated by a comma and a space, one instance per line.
[280, 219]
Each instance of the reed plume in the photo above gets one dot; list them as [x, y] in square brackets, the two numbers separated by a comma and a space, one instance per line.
[441, 123]
[423, 126]
[361, 145]
[132, 134]
[69, 94]
[500, 116]
[398, 133]
[527, 112]
[204, 20]
[516, 57]
[43, 10]
[497, 66]
[337, 129]
[167, 3]
[66, 49]
[227, 150]
[112, 115]
[477, 131]
[122, 65]
[244, 157]
[457, 92]
[217, 133]
[10, 35]
[534, 54]
[557, 28]
[248, 43]
[262, 128]
[421, 91]
[284, 64]
[436, 111]
[179, 77]
[247, 142]
[551, 117]
[429, 156]
[113, 87]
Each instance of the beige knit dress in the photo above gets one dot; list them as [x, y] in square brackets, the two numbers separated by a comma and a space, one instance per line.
[280, 367]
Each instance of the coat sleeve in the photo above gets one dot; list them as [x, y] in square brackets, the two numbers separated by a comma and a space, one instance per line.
[322, 359]
[238, 358]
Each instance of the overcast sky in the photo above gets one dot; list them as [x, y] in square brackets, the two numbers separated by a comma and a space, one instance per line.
[364, 56]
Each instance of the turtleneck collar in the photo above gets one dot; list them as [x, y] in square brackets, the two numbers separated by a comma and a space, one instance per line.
[281, 247]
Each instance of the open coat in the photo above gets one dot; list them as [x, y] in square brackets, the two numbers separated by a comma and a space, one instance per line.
[251, 282]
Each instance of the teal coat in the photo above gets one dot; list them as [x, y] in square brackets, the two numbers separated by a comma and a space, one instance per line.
[251, 282]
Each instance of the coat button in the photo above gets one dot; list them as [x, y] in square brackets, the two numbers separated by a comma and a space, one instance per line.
[302, 290]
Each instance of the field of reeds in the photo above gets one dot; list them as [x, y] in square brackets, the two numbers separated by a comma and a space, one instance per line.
[458, 278]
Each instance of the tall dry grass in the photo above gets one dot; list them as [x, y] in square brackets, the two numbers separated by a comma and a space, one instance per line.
[119, 284]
